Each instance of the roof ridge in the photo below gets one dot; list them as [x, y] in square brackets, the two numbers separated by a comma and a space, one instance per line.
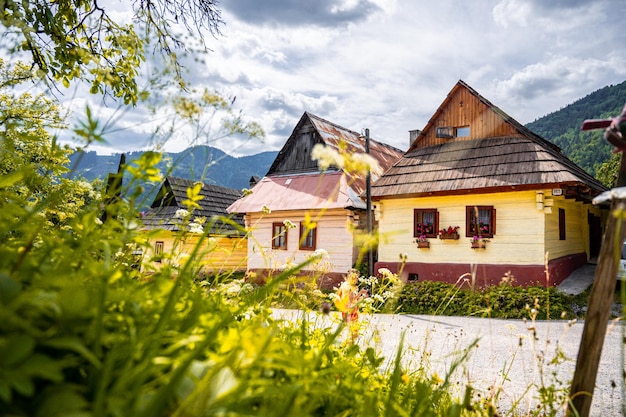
[311, 115]
[189, 181]
[358, 134]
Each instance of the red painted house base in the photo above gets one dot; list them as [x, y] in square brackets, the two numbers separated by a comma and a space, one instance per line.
[326, 281]
[489, 274]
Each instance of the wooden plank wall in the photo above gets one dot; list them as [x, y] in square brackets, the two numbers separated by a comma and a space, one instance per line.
[521, 236]
[332, 235]
[296, 155]
[217, 254]
[465, 109]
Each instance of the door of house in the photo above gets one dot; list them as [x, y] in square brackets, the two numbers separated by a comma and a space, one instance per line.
[595, 235]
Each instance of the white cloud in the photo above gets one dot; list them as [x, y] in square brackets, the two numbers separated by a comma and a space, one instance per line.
[512, 13]
[386, 65]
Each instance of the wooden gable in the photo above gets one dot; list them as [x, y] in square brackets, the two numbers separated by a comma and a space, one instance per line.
[295, 156]
[466, 115]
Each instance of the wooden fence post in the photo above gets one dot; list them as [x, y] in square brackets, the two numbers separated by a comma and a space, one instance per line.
[605, 278]
[599, 309]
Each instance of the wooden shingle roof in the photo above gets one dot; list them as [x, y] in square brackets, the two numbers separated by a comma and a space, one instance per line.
[516, 161]
[213, 205]
[489, 165]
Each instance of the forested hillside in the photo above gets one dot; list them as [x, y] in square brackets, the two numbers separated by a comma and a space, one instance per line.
[588, 149]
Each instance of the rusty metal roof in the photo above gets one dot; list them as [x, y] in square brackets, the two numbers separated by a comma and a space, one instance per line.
[315, 191]
[333, 134]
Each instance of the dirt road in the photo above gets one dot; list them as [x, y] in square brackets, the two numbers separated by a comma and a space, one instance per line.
[511, 358]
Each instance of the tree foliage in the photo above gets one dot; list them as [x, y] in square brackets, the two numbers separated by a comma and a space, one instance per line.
[82, 39]
[608, 170]
[32, 163]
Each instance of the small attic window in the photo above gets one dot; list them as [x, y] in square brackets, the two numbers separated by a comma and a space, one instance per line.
[450, 132]
[462, 132]
[446, 132]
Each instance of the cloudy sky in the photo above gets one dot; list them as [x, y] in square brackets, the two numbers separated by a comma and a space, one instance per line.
[386, 65]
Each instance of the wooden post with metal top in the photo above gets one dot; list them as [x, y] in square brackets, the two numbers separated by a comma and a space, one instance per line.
[605, 278]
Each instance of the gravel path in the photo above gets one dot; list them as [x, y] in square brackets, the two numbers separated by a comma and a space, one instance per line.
[509, 357]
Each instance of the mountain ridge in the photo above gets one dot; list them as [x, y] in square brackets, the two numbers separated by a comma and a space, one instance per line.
[202, 162]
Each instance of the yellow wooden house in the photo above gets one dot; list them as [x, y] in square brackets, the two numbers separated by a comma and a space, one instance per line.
[174, 232]
[478, 197]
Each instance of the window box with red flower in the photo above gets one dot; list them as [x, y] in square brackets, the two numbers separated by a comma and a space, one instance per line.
[449, 233]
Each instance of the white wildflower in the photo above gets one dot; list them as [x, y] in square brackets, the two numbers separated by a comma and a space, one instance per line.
[98, 221]
[289, 224]
[326, 157]
[84, 185]
[248, 314]
[233, 288]
[333, 296]
[181, 214]
[287, 265]
[265, 209]
[318, 254]
[195, 228]
[379, 298]
[371, 281]
[387, 295]
[385, 272]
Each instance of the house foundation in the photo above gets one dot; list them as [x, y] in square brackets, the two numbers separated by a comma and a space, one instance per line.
[482, 275]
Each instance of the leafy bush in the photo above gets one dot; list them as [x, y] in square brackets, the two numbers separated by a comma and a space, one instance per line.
[499, 301]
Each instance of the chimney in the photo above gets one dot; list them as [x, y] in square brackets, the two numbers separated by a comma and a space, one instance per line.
[413, 134]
